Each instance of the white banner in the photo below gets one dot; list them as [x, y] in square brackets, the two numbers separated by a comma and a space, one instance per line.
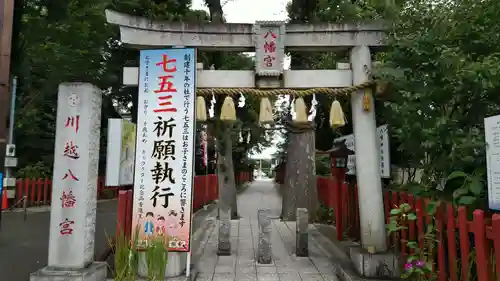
[165, 146]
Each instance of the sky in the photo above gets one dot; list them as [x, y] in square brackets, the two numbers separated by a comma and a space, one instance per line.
[249, 11]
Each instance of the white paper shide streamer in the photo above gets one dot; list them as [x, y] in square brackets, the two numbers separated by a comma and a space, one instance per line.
[292, 108]
[312, 111]
[211, 110]
[241, 101]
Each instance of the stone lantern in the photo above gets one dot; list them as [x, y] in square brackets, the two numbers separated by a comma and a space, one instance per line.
[339, 155]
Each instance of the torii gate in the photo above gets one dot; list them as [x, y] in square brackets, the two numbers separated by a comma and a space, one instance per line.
[361, 38]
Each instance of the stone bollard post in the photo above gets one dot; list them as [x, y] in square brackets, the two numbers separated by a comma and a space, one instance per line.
[264, 250]
[302, 246]
[224, 246]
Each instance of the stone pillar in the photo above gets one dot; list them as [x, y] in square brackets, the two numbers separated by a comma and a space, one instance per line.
[264, 253]
[302, 236]
[74, 188]
[224, 246]
[371, 207]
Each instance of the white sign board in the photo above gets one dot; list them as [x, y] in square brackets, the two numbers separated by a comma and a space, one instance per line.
[492, 138]
[385, 163]
[120, 152]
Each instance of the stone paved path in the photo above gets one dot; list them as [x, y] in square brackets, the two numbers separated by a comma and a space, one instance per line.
[242, 266]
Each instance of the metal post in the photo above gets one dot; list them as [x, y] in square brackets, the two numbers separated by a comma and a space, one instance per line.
[12, 110]
[6, 22]
[10, 140]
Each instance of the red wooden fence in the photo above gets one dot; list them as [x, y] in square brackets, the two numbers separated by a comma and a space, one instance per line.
[348, 212]
[39, 191]
[466, 249]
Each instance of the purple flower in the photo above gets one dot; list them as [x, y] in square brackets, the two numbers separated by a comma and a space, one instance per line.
[420, 263]
[408, 266]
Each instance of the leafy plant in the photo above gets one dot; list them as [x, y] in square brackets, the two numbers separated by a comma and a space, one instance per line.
[37, 170]
[157, 258]
[325, 214]
[471, 187]
[126, 257]
[323, 165]
[419, 263]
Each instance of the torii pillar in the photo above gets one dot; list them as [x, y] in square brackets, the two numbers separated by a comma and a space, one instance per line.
[360, 38]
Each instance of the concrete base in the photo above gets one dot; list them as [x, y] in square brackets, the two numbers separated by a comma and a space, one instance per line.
[379, 265]
[175, 266]
[96, 271]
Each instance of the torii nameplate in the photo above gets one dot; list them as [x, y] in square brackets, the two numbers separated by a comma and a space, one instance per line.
[269, 42]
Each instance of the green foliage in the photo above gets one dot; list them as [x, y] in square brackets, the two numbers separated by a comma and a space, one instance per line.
[443, 68]
[38, 170]
[323, 166]
[126, 254]
[325, 214]
[419, 264]
[55, 43]
[157, 258]
[471, 187]
[126, 257]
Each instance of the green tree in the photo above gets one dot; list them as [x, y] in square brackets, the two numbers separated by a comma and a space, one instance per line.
[53, 43]
[443, 67]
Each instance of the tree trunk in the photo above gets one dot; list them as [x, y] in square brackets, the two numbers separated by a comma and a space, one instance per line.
[225, 173]
[299, 189]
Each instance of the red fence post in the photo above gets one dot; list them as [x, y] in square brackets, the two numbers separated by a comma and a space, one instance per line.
[441, 262]
[483, 265]
[387, 209]
[495, 224]
[412, 226]
[128, 214]
[395, 204]
[329, 190]
[39, 183]
[46, 186]
[216, 186]
[205, 183]
[419, 205]
[338, 209]
[452, 246]
[345, 206]
[33, 192]
[404, 233]
[19, 191]
[121, 212]
[356, 202]
[463, 231]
